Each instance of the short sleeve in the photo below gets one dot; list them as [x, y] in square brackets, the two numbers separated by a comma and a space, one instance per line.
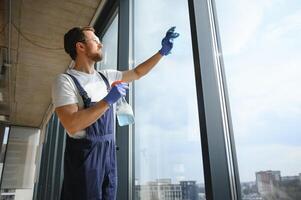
[112, 75]
[63, 91]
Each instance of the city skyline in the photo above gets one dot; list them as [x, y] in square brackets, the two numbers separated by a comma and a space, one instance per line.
[268, 185]
[202, 183]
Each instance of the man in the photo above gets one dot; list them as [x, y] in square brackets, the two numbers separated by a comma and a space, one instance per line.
[83, 100]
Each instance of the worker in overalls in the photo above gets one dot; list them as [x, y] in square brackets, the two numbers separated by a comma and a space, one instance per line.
[83, 100]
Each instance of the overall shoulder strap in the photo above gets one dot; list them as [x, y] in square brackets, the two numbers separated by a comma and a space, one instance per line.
[105, 80]
[81, 90]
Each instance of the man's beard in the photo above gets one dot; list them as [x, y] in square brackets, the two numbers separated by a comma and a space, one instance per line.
[95, 57]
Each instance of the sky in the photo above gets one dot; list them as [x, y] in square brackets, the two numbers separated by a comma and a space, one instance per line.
[260, 48]
[260, 42]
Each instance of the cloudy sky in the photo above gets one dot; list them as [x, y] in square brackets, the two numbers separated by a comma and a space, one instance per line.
[261, 50]
[261, 45]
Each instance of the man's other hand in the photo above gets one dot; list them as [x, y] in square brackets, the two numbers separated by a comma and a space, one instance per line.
[167, 42]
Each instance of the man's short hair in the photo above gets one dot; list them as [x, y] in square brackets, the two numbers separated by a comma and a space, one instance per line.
[73, 36]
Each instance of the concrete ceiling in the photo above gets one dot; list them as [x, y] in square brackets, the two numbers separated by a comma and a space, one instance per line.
[37, 55]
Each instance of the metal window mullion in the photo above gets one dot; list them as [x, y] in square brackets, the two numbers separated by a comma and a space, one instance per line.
[58, 176]
[41, 185]
[230, 138]
[50, 156]
[46, 159]
[131, 56]
[221, 89]
[215, 125]
[54, 155]
[123, 133]
[229, 135]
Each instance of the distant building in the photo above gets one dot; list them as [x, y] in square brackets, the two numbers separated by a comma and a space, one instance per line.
[249, 190]
[271, 185]
[289, 179]
[290, 187]
[201, 191]
[161, 189]
[267, 182]
[189, 190]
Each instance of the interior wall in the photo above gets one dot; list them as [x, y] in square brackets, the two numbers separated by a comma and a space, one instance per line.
[2, 23]
[20, 160]
[4, 101]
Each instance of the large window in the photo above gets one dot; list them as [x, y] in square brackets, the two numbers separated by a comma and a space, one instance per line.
[168, 161]
[261, 50]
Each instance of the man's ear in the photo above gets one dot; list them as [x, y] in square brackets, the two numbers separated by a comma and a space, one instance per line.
[80, 46]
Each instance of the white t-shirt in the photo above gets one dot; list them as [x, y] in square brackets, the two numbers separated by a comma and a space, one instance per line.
[64, 90]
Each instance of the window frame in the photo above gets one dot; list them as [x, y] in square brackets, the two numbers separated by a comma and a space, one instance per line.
[220, 164]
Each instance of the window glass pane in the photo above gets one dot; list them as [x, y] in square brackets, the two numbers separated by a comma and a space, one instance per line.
[168, 162]
[261, 50]
[109, 41]
[110, 47]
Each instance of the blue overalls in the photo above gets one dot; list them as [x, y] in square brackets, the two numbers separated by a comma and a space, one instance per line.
[90, 164]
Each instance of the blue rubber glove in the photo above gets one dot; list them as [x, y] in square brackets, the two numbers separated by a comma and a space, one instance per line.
[167, 42]
[116, 92]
